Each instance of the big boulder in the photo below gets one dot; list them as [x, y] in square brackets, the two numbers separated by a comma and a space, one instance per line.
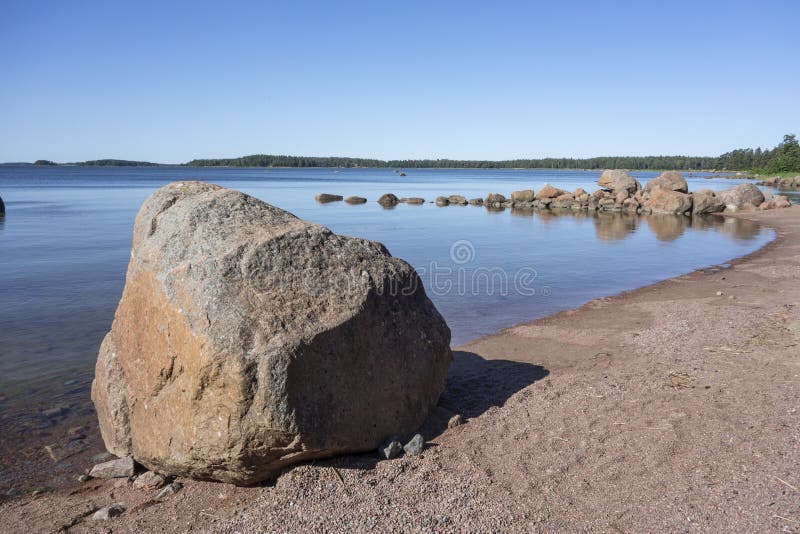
[665, 201]
[495, 199]
[548, 191]
[247, 340]
[617, 180]
[743, 196]
[525, 195]
[669, 180]
[706, 201]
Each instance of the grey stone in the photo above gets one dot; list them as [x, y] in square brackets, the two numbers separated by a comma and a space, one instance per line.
[168, 491]
[108, 512]
[415, 446]
[390, 449]
[121, 467]
[149, 480]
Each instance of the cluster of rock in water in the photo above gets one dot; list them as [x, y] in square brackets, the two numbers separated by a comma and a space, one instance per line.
[782, 182]
[619, 191]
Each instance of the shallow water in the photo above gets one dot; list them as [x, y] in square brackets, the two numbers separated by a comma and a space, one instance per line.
[65, 243]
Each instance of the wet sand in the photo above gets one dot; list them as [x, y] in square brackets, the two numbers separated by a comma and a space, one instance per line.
[672, 407]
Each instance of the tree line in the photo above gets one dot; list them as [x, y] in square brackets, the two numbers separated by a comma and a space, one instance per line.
[783, 158]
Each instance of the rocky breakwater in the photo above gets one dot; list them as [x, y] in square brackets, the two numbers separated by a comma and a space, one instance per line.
[247, 339]
[782, 182]
[619, 191]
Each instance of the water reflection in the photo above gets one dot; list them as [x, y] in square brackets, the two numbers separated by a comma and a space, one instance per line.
[522, 212]
[667, 227]
[736, 228]
[615, 226]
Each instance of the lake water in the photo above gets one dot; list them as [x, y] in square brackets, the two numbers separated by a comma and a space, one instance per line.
[65, 244]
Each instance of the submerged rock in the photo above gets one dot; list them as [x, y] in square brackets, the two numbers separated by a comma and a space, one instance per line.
[442, 201]
[475, 202]
[495, 200]
[2, 207]
[388, 200]
[355, 200]
[247, 340]
[413, 200]
[326, 197]
[457, 199]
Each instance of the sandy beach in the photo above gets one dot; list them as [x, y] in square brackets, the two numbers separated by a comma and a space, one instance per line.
[672, 407]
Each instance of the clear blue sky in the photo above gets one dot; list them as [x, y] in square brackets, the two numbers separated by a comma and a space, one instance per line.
[170, 81]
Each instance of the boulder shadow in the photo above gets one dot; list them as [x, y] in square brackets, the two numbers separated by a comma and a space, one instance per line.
[473, 386]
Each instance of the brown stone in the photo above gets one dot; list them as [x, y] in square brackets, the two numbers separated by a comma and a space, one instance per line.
[665, 201]
[548, 191]
[247, 340]
[617, 180]
[525, 195]
[669, 180]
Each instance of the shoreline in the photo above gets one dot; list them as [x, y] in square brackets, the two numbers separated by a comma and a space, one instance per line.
[664, 406]
[765, 248]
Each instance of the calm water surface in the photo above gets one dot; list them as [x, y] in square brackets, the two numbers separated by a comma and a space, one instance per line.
[65, 243]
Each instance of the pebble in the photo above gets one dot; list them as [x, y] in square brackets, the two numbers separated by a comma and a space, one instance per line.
[455, 421]
[168, 491]
[390, 449]
[84, 478]
[149, 480]
[119, 468]
[720, 293]
[415, 446]
[106, 513]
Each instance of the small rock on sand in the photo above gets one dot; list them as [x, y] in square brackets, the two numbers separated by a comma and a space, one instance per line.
[415, 446]
[149, 480]
[168, 491]
[455, 421]
[106, 513]
[121, 467]
[390, 449]
[720, 293]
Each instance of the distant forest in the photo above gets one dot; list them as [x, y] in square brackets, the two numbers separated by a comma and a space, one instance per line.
[783, 158]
